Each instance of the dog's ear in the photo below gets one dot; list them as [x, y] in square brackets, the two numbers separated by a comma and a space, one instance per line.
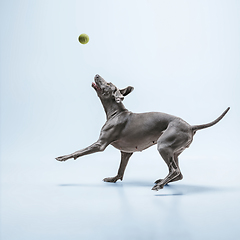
[117, 95]
[126, 90]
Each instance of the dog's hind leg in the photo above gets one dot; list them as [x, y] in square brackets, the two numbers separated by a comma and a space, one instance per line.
[179, 177]
[174, 171]
[171, 143]
[124, 161]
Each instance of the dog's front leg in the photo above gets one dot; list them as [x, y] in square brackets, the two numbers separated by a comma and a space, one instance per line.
[98, 146]
[124, 161]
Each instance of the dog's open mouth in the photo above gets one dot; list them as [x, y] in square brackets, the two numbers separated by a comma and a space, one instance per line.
[95, 86]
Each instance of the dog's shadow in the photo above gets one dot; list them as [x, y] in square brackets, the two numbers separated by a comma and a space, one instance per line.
[184, 189]
[175, 189]
[106, 184]
[169, 189]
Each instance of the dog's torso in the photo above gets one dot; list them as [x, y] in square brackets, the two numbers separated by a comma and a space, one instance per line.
[138, 131]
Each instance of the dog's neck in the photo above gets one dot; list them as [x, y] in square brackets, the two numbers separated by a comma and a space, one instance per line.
[112, 108]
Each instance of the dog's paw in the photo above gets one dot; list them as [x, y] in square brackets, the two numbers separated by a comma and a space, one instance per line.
[158, 181]
[62, 158]
[111, 179]
[157, 187]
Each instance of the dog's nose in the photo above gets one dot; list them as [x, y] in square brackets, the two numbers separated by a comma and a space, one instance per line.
[97, 76]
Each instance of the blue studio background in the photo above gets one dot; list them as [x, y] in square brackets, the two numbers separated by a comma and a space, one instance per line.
[181, 56]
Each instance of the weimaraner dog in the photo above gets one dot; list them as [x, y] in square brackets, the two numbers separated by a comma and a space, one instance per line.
[131, 132]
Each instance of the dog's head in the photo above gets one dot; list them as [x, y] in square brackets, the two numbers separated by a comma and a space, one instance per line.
[107, 90]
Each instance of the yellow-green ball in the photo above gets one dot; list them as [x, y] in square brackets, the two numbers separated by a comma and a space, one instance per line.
[83, 38]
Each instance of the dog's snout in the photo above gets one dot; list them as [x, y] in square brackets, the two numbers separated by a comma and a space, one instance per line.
[97, 76]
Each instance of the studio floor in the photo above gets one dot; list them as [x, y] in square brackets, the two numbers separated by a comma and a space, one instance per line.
[70, 201]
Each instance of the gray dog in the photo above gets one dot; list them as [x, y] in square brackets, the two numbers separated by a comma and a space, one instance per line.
[131, 132]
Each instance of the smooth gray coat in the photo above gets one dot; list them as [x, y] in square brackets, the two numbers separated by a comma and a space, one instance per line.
[131, 132]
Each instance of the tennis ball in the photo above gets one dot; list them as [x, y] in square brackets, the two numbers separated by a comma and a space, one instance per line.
[83, 38]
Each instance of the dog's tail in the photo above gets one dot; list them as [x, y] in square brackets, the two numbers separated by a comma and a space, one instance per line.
[198, 127]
